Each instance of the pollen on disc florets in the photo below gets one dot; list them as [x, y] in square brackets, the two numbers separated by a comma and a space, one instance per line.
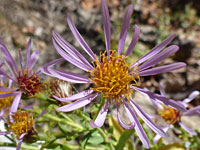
[29, 82]
[22, 123]
[7, 101]
[169, 114]
[113, 76]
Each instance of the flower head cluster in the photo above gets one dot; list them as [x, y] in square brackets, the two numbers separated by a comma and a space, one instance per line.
[111, 74]
[172, 116]
[21, 80]
[21, 125]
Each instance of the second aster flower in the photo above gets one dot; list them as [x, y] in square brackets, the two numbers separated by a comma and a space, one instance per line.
[112, 76]
[23, 78]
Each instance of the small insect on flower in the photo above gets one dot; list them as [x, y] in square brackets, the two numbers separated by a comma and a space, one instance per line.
[21, 125]
[26, 80]
[172, 116]
[111, 75]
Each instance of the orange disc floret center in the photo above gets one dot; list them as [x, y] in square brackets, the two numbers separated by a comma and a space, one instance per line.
[113, 76]
[7, 101]
[29, 82]
[22, 123]
[169, 114]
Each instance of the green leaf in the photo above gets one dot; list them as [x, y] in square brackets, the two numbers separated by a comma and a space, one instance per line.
[125, 136]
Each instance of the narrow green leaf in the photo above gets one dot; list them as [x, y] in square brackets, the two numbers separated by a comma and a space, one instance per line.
[125, 136]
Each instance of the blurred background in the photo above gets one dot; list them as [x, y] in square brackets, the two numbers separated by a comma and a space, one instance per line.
[21, 19]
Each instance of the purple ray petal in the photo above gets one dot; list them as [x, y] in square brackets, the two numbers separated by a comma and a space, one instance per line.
[166, 101]
[66, 76]
[106, 25]
[189, 130]
[75, 96]
[52, 63]
[4, 132]
[162, 69]
[101, 116]
[70, 49]
[7, 89]
[6, 75]
[162, 91]
[124, 29]
[191, 97]
[20, 59]
[70, 59]
[20, 141]
[142, 135]
[28, 52]
[131, 126]
[159, 57]
[42, 113]
[192, 111]
[34, 57]
[9, 59]
[15, 103]
[157, 137]
[147, 120]
[155, 50]
[7, 95]
[133, 41]
[79, 38]
[154, 101]
[78, 104]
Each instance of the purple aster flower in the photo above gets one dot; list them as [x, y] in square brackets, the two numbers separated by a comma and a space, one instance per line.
[22, 126]
[111, 74]
[172, 116]
[24, 77]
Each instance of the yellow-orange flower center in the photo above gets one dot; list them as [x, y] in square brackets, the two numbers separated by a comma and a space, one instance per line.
[7, 101]
[29, 82]
[169, 114]
[113, 76]
[22, 123]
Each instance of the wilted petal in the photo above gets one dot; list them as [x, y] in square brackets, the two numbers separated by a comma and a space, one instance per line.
[106, 24]
[189, 130]
[162, 69]
[133, 41]
[79, 38]
[159, 57]
[124, 29]
[142, 135]
[75, 96]
[15, 103]
[131, 126]
[7, 95]
[101, 116]
[78, 104]
[147, 120]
